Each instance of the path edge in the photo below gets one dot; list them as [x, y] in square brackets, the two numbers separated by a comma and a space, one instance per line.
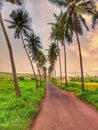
[31, 124]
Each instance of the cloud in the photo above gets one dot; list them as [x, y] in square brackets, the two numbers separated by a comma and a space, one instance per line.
[84, 52]
[89, 48]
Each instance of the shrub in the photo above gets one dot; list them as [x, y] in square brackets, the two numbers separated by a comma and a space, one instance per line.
[21, 78]
[32, 78]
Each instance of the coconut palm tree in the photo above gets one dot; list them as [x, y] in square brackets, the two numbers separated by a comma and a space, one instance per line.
[58, 33]
[53, 53]
[21, 23]
[75, 20]
[17, 90]
[42, 62]
[54, 35]
[50, 69]
[41, 58]
[44, 72]
[95, 19]
[34, 46]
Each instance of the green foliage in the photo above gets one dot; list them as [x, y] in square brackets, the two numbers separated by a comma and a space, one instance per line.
[32, 78]
[86, 79]
[9, 76]
[90, 94]
[16, 113]
[21, 78]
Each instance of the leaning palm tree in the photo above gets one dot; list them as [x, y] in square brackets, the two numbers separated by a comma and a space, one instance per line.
[44, 72]
[53, 53]
[50, 69]
[54, 36]
[57, 34]
[17, 90]
[41, 59]
[75, 20]
[21, 23]
[42, 62]
[34, 46]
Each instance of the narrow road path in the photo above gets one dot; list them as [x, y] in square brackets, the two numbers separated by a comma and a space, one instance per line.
[63, 111]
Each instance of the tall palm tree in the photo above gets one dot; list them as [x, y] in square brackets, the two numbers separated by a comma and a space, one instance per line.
[41, 59]
[58, 32]
[44, 72]
[34, 46]
[21, 23]
[55, 36]
[17, 90]
[75, 20]
[50, 69]
[53, 53]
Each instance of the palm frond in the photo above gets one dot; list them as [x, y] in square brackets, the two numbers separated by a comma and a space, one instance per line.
[95, 19]
[18, 2]
[59, 3]
[84, 22]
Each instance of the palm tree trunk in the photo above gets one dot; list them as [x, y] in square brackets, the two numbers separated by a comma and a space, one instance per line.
[81, 63]
[79, 47]
[17, 90]
[30, 60]
[45, 77]
[39, 72]
[55, 73]
[60, 65]
[65, 64]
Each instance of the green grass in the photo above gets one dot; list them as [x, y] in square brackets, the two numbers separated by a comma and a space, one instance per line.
[8, 76]
[90, 95]
[17, 113]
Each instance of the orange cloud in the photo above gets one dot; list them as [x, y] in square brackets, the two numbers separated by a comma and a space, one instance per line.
[84, 51]
[93, 40]
[88, 49]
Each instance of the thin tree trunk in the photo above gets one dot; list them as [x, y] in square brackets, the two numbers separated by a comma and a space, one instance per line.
[79, 47]
[65, 64]
[29, 60]
[60, 65]
[81, 63]
[45, 77]
[17, 90]
[39, 72]
[55, 73]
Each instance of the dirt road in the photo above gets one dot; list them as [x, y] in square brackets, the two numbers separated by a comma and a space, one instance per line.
[63, 111]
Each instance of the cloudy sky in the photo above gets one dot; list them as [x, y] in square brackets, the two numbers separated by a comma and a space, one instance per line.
[41, 12]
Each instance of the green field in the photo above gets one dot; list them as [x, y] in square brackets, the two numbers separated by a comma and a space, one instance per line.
[17, 113]
[91, 91]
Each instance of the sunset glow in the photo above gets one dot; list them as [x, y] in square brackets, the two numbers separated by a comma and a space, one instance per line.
[41, 12]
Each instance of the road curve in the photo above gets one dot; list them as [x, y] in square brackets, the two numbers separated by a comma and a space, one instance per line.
[63, 111]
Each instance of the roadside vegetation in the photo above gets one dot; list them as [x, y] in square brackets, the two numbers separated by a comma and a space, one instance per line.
[90, 95]
[17, 113]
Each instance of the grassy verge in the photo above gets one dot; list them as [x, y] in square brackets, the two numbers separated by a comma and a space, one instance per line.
[17, 113]
[90, 95]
